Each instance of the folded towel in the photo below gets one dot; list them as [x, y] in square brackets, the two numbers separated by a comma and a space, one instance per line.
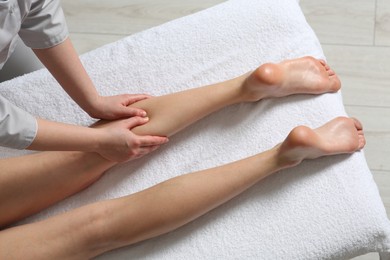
[327, 208]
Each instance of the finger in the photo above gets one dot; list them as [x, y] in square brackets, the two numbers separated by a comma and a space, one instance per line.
[148, 149]
[130, 99]
[146, 141]
[135, 121]
[133, 111]
[144, 151]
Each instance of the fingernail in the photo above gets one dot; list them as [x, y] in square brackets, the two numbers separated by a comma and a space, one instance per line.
[143, 113]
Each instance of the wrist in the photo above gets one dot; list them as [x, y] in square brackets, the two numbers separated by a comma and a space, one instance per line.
[98, 140]
[92, 106]
[84, 139]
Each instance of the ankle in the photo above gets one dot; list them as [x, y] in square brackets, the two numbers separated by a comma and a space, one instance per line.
[240, 86]
[286, 157]
[268, 74]
[251, 87]
[264, 82]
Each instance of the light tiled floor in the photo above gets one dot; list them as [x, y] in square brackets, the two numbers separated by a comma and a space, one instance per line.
[355, 35]
[382, 28]
[359, 54]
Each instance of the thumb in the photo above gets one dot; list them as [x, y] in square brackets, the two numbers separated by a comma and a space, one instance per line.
[136, 121]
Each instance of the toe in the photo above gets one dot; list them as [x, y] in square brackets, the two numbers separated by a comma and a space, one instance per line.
[323, 62]
[335, 83]
[357, 123]
[362, 142]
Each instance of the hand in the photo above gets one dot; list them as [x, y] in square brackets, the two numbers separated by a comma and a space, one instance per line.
[115, 107]
[119, 144]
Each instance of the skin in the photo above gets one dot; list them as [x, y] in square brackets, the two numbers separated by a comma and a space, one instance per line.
[118, 144]
[267, 81]
[100, 227]
[64, 64]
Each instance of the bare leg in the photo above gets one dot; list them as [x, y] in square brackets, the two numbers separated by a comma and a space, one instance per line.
[171, 113]
[33, 182]
[46, 178]
[91, 230]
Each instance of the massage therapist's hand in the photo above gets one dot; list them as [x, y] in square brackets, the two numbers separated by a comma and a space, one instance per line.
[64, 64]
[116, 107]
[111, 139]
[119, 144]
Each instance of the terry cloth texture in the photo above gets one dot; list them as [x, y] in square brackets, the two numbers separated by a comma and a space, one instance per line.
[327, 208]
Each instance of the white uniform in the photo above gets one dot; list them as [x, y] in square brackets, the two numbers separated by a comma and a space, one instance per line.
[40, 24]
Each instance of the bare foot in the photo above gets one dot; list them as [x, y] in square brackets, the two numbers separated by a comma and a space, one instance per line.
[305, 75]
[338, 136]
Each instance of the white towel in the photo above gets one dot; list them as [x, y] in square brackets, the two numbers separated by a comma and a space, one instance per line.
[327, 208]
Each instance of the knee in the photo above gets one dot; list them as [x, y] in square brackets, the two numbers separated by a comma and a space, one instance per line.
[96, 232]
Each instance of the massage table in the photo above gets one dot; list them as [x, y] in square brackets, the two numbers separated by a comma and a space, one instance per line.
[328, 208]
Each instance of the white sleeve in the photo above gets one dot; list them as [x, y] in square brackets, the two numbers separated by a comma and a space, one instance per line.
[17, 127]
[44, 26]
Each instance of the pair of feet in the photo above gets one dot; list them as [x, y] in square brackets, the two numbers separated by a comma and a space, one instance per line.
[305, 75]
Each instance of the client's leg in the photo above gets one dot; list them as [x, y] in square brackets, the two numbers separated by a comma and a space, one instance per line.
[91, 230]
[44, 179]
[33, 182]
[171, 113]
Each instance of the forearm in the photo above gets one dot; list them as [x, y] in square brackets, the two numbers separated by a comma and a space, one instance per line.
[64, 64]
[53, 136]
